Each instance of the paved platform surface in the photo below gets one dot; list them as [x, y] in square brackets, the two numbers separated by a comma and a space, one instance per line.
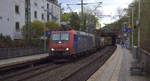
[19, 60]
[117, 68]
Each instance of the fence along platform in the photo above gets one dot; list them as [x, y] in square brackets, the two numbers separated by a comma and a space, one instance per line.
[117, 68]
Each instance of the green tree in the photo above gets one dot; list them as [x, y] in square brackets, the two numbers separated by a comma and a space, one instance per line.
[37, 29]
[52, 26]
[117, 25]
[65, 17]
[75, 21]
[88, 18]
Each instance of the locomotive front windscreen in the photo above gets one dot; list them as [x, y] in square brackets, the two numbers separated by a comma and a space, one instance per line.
[60, 37]
[55, 37]
[64, 36]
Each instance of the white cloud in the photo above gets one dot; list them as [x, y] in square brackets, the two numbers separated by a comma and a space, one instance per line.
[109, 7]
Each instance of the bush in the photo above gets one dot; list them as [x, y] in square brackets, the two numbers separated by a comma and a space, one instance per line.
[36, 30]
[7, 42]
[52, 26]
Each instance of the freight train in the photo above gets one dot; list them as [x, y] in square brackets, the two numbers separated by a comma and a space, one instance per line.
[64, 44]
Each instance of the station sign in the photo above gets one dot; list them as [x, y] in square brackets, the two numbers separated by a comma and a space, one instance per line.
[129, 29]
[47, 31]
[129, 26]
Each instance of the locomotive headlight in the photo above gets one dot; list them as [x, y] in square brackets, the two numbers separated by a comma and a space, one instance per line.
[52, 49]
[67, 49]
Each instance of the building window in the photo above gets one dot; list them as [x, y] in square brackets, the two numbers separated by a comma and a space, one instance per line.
[17, 27]
[47, 6]
[1, 17]
[35, 4]
[17, 9]
[42, 16]
[35, 14]
[42, 7]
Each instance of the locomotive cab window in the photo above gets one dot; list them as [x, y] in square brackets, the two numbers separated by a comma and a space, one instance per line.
[65, 36]
[60, 37]
[56, 37]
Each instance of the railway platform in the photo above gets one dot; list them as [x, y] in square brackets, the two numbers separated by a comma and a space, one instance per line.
[20, 60]
[117, 68]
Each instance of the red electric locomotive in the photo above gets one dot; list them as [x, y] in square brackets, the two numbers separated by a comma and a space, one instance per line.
[61, 43]
[72, 43]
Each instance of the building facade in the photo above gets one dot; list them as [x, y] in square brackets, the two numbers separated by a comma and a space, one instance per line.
[13, 14]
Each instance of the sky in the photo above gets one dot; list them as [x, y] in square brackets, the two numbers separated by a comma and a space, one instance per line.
[108, 7]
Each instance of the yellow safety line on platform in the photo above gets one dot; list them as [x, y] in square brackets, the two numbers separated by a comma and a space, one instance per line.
[115, 75]
[96, 74]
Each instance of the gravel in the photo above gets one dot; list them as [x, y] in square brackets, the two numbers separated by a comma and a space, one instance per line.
[77, 68]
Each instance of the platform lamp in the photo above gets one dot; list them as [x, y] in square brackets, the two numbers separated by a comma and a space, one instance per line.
[139, 29]
[132, 9]
[139, 21]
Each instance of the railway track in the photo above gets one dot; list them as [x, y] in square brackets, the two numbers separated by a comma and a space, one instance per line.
[80, 70]
[47, 71]
[30, 72]
[86, 71]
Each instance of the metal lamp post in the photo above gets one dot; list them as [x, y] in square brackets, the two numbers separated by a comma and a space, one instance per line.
[128, 34]
[132, 11]
[139, 31]
[132, 26]
[44, 30]
[139, 20]
[81, 15]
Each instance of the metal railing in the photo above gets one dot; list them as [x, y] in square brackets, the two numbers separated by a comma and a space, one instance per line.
[143, 59]
[6, 53]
